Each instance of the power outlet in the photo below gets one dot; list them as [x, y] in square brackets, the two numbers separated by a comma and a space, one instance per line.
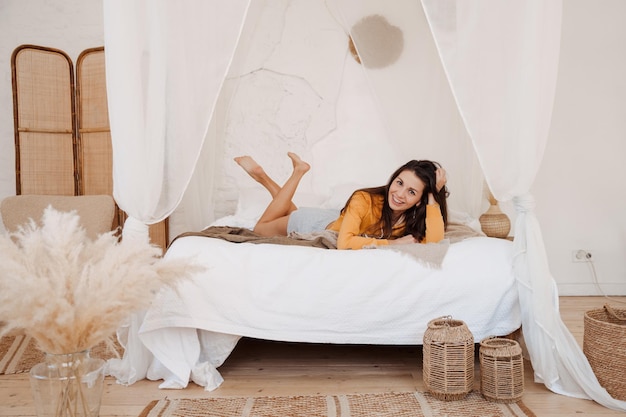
[582, 255]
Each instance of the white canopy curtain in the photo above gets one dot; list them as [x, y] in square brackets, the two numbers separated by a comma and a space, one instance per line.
[501, 59]
[165, 65]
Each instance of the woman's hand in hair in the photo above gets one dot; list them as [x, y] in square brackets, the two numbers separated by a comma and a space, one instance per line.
[440, 181]
[441, 178]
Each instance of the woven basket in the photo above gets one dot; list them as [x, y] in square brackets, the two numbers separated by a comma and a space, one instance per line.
[604, 344]
[448, 359]
[501, 370]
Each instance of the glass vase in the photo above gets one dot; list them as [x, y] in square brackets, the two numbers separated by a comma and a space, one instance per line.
[68, 385]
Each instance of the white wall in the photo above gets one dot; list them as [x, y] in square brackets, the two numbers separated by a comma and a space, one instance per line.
[579, 191]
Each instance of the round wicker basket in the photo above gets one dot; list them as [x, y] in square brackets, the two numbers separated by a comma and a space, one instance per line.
[604, 344]
[501, 370]
[448, 359]
[493, 222]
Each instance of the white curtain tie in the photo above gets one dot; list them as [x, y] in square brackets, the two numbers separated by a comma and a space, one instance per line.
[135, 230]
[524, 203]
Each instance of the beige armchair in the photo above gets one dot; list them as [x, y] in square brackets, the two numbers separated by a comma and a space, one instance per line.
[96, 212]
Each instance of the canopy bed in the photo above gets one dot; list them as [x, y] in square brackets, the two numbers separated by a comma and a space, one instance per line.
[302, 290]
[191, 86]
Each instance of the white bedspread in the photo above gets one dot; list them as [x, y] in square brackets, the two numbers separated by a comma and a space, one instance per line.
[303, 294]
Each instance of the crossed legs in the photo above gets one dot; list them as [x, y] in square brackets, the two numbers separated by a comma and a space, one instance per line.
[273, 221]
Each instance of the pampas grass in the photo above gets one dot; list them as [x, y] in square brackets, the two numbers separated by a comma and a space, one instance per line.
[70, 292]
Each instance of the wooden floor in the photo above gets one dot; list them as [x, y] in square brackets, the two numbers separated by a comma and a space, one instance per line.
[259, 368]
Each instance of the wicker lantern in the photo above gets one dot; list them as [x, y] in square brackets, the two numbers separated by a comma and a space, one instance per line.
[448, 359]
[501, 370]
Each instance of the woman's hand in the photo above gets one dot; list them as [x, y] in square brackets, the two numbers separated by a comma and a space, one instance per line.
[403, 240]
[441, 178]
[440, 181]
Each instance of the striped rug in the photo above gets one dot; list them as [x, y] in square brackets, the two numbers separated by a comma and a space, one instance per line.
[19, 353]
[402, 404]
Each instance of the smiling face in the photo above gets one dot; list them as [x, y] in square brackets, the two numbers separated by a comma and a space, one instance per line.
[405, 191]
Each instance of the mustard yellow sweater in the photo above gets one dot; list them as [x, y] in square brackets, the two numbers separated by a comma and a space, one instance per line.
[364, 210]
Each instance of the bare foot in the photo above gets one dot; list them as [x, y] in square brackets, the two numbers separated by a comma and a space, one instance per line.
[298, 164]
[251, 167]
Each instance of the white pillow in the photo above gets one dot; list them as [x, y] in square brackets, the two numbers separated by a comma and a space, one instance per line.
[461, 217]
[252, 202]
[234, 221]
[339, 195]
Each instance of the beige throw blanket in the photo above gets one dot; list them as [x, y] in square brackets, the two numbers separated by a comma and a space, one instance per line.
[241, 235]
[429, 254]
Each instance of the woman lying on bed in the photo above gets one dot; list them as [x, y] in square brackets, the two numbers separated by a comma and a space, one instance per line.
[411, 208]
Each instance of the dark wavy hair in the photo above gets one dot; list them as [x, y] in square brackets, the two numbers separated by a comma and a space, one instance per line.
[415, 217]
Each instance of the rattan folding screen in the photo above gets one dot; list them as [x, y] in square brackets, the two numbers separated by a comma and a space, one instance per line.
[43, 109]
[62, 134]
